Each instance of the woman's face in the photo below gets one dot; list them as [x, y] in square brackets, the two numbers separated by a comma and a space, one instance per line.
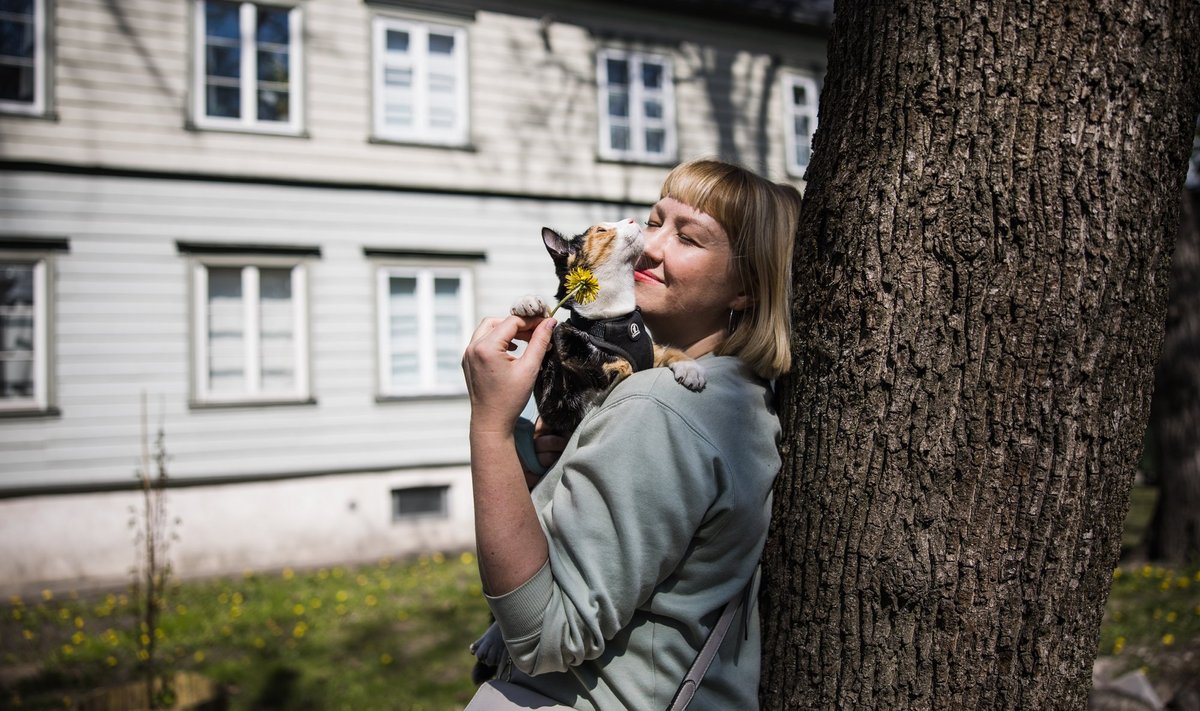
[685, 282]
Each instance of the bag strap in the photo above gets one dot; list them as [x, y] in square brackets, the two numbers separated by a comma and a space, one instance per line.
[704, 659]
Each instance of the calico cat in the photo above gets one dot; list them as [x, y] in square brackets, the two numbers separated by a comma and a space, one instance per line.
[605, 339]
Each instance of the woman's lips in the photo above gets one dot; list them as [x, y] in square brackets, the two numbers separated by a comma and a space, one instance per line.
[646, 276]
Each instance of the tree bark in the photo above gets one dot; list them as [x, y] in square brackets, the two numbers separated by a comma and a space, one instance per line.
[1174, 533]
[981, 275]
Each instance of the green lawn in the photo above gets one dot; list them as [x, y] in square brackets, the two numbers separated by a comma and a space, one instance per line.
[395, 635]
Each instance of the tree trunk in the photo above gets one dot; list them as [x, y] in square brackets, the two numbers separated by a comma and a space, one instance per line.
[1174, 534]
[981, 277]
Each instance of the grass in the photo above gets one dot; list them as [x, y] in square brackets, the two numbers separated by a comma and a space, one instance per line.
[386, 636]
[394, 635]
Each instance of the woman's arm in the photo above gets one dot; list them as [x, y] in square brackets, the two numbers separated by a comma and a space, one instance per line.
[510, 541]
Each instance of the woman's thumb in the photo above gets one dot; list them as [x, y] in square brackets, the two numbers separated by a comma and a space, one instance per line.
[539, 341]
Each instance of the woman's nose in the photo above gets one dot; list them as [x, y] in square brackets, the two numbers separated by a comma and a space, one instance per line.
[652, 250]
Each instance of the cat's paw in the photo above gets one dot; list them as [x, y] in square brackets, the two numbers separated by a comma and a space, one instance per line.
[528, 306]
[490, 648]
[689, 374]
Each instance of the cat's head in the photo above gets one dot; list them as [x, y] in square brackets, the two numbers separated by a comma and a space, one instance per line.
[608, 250]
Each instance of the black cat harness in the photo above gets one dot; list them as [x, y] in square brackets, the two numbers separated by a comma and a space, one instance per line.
[622, 336]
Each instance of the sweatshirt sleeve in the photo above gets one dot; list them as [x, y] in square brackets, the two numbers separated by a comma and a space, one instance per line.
[632, 495]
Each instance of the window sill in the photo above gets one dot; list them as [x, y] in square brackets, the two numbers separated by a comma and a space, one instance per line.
[30, 413]
[415, 397]
[247, 404]
[466, 147]
[661, 163]
[43, 115]
[246, 130]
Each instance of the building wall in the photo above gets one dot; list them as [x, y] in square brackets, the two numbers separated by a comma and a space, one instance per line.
[121, 98]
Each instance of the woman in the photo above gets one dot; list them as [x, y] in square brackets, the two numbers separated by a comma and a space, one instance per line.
[607, 580]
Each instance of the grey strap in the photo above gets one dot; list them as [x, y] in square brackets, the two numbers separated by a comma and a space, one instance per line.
[691, 680]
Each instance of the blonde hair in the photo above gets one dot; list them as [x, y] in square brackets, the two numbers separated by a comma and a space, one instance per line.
[760, 219]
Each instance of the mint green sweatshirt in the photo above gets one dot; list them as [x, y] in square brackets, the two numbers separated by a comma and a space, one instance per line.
[655, 517]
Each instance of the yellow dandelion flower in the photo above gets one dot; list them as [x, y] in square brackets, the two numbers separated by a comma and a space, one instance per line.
[64, 614]
[1196, 577]
[78, 622]
[47, 595]
[143, 655]
[77, 638]
[322, 574]
[1118, 645]
[438, 558]
[361, 580]
[299, 630]
[297, 609]
[315, 603]
[28, 634]
[1165, 585]
[238, 599]
[1168, 639]
[1147, 571]
[341, 610]
[226, 630]
[581, 285]
[466, 558]
[1172, 616]
[338, 573]
[223, 598]
[259, 643]
[198, 656]
[181, 609]
[385, 659]
[402, 615]
[68, 650]
[372, 601]
[1183, 583]
[247, 574]
[110, 660]
[16, 614]
[1116, 573]
[385, 585]
[1158, 613]
[159, 634]
[342, 596]
[288, 573]
[235, 612]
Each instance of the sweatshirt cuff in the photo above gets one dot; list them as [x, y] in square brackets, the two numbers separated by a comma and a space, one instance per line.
[520, 612]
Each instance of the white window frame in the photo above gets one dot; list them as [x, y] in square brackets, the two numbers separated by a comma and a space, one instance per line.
[252, 361]
[40, 67]
[41, 335]
[418, 33]
[426, 355]
[788, 81]
[248, 84]
[638, 122]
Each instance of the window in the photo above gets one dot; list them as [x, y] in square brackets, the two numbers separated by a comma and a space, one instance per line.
[251, 333]
[24, 361]
[420, 82]
[799, 121]
[419, 502]
[23, 56]
[637, 107]
[424, 324]
[247, 62]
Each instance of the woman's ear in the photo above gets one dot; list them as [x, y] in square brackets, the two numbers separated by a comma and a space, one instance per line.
[741, 302]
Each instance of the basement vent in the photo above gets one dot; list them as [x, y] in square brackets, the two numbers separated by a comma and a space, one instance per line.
[419, 502]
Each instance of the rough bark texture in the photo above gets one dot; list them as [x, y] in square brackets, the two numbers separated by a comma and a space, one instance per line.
[1174, 534]
[981, 281]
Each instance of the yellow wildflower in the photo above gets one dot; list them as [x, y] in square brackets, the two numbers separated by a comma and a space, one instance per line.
[299, 630]
[298, 609]
[581, 285]
[342, 596]
[467, 558]
[77, 638]
[1172, 616]
[385, 659]
[47, 595]
[110, 660]
[372, 600]
[198, 656]
[1118, 645]
[1168, 639]
[259, 643]
[288, 573]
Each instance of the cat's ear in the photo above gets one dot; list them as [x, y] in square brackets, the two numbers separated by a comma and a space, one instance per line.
[556, 244]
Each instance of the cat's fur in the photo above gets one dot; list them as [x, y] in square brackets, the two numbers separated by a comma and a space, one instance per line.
[576, 372]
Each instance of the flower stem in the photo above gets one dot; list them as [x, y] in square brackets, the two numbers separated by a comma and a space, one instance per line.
[558, 306]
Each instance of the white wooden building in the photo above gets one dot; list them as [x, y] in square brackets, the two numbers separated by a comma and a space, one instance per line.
[279, 220]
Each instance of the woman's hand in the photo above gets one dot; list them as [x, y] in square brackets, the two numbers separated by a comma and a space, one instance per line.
[499, 384]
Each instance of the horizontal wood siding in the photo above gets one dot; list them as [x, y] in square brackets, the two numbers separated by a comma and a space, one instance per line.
[121, 321]
[121, 94]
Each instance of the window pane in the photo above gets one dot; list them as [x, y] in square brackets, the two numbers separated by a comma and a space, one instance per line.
[803, 153]
[618, 103]
[653, 108]
[618, 71]
[441, 44]
[273, 66]
[226, 331]
[272, 105]
[402, 331]
[802, 124]
[799, 95]
[223, 101]
[272, 25]
[447, 328]
[652, 75]
[276, 310]
[16, 331]
[17, 38]
[619, 137]
[397, 41]
[656, 139]
[223, 61]
[221, 20]
[400, 78]
[16, 83]
[18, 7]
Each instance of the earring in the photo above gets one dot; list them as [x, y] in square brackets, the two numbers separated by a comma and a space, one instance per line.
[732, 326]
